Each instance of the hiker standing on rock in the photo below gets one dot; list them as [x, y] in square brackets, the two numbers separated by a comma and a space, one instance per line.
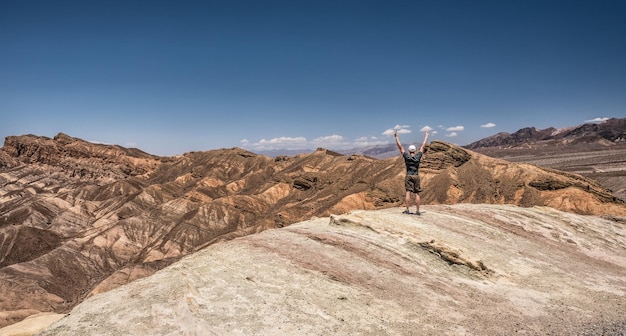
[412, 179]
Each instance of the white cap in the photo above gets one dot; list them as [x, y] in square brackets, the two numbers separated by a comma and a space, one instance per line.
[412, 148]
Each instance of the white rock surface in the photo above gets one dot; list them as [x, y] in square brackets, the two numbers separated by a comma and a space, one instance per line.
[454, 270]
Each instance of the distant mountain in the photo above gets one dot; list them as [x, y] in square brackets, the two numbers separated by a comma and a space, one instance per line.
[596, 151]
[378, 151]
[605, 134]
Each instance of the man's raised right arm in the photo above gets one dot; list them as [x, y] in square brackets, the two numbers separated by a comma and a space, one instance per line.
[395, 134]
[425, 141]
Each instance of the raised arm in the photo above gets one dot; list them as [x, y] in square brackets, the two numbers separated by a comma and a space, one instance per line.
[425, 140]
[395, 134]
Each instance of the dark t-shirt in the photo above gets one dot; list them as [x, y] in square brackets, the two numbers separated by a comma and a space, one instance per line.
[412, 162]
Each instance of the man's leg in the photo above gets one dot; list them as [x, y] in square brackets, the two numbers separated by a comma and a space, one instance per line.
[407, 200]
[418, 200]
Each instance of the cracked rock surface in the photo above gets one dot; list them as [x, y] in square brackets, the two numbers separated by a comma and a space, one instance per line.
[463, 269]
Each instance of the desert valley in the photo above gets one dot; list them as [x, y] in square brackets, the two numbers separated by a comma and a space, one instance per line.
[107, 240]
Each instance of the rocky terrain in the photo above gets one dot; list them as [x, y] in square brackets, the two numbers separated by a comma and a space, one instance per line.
[606, 165]
[78, 219]
[597, 151]
[465, 269]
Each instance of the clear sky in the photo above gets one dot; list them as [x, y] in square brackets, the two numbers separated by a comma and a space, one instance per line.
[170, 77]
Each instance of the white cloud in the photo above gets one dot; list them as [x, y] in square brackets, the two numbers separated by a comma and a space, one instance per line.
[488, 125]
[281, 143]
[131, 144]
[364, 138]
[337, 142]
[596, 120]
[401, 129]
[368, 142]
[333, 137]
[455, 128]
[333, 142]
[426, 128]
[328, 141]
[283, 140]
[451, 135]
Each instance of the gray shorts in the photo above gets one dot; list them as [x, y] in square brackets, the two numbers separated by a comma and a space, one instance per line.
[412, 183]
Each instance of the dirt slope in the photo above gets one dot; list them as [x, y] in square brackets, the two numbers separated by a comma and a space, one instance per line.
[605, 164]
[457, 270]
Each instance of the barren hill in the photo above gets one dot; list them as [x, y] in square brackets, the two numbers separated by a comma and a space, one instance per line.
[465, 269]
[78, 218]
[597, 151]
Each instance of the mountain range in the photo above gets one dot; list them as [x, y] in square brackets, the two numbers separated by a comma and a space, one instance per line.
[597, 151]
[78, 219]
[607, 133]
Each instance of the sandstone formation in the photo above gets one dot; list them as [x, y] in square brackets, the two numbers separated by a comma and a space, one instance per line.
[605, 165]
[466, 269]
[78, 218]
[597, 151]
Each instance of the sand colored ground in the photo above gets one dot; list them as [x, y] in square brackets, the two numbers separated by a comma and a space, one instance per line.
[456, 270]
[31, 325]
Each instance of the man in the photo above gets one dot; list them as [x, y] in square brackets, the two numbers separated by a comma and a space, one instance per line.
[412, 179]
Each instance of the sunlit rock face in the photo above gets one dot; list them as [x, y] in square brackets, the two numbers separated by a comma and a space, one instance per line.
[597, 151]
[474, 269]
[78, 218]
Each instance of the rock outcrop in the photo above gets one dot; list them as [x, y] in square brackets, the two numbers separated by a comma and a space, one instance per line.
[467, 269]
[78, 218]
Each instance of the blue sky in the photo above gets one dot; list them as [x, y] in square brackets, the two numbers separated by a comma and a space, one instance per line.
[170, 77]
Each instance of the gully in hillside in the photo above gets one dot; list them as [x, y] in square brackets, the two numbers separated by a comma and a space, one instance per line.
[412, 179]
